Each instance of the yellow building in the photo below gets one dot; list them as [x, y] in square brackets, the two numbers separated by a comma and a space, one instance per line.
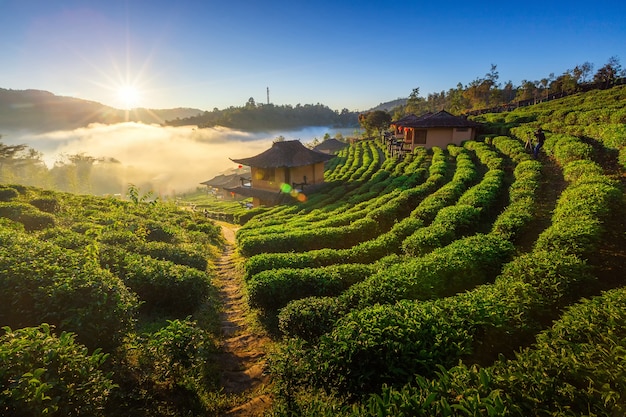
[283, 172]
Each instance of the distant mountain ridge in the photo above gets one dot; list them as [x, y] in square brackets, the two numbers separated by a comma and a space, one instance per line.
[390, 105]
[42, 111]
[39, 111]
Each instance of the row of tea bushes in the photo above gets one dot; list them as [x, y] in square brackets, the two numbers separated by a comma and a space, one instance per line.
[273, 289]
[62, 300]
[459, 266]
[379, 219]
[392, 342]
[42, 282]
[454, 222]
[162, 286]
[365, 252]
[354, 205]
[573, 368]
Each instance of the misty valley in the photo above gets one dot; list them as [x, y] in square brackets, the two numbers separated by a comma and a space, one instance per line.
[104, 159]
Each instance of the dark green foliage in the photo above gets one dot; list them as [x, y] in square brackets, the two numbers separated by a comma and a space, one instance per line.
[459, 266]
[8, 193]
[44, 374]
[187, 255]
[47, 204]
[29, 216]
[273, 289]
[40, 282]
[308, 318]
[451, 223]
[574, 368]
[161, 285]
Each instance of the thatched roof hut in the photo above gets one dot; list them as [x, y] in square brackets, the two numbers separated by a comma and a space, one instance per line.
[285, 154]
[287, 165]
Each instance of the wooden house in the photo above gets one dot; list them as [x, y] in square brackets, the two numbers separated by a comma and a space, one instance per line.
[282, 172]
[433, 129]
[219, 185]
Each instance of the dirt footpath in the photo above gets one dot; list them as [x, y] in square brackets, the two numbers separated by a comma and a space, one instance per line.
[242, 357]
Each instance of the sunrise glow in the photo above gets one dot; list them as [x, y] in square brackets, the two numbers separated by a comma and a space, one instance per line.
[128, 96]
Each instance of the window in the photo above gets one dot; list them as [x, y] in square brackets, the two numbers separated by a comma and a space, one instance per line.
[266, 174]
[420, 137]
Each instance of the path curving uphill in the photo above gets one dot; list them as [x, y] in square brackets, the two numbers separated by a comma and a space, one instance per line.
[242, 351]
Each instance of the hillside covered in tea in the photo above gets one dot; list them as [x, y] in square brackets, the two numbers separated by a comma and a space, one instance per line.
[465, 280]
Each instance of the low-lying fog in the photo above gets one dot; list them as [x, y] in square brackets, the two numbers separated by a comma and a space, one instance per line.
[171, 160]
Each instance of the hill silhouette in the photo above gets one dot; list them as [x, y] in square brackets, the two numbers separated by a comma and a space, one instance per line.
[40, 111]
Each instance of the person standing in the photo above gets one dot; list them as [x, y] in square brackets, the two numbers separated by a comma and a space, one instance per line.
[541, 137]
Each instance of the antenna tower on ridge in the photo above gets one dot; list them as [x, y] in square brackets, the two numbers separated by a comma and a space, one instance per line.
[268, 95]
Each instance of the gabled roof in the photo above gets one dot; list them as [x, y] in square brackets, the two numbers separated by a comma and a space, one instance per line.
[330, 145]
[439, 119]
[409, 118]
[286, 154]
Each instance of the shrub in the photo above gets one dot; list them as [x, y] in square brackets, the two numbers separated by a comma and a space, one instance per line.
[308, 318]
[42, 374]
[29, 216]
[47, 204]
[162, 285]
[8, 193]
[181, 254]
[273, 289]
[41, 282]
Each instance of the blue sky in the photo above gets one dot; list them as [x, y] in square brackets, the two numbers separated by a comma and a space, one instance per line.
[344, 54]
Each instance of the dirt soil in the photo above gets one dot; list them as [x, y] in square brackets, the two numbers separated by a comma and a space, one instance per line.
[242, 357]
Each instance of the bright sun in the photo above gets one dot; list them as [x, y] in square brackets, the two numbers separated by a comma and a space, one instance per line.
[128, 96]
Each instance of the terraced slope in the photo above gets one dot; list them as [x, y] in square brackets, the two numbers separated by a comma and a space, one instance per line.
[462, 255]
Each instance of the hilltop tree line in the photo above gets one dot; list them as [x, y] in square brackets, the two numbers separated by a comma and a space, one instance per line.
[77, 173]
[487, 92]
[257, 116]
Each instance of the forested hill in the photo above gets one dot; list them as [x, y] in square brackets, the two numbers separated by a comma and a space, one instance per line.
[253, 116]
[39, 111]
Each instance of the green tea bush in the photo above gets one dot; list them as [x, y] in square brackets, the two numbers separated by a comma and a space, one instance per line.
[162, 286]
[181, 254]
[309, 318]
[47, 204]
[273, 289]
[40, 282]
[568, 148]
[176, 365]
[28, 215]
[451, 223]
[66, 238]
[573, 368]
[457, 267]
[310, 239]
[47, 375]
[8, 193]
[445, 271]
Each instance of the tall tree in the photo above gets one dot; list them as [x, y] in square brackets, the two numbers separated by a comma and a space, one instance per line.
[608, 73]
[374, 121]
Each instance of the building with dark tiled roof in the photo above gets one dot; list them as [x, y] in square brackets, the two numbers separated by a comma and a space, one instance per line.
[282, 172]
[219, 185]
[433, 129]
[330, 146]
